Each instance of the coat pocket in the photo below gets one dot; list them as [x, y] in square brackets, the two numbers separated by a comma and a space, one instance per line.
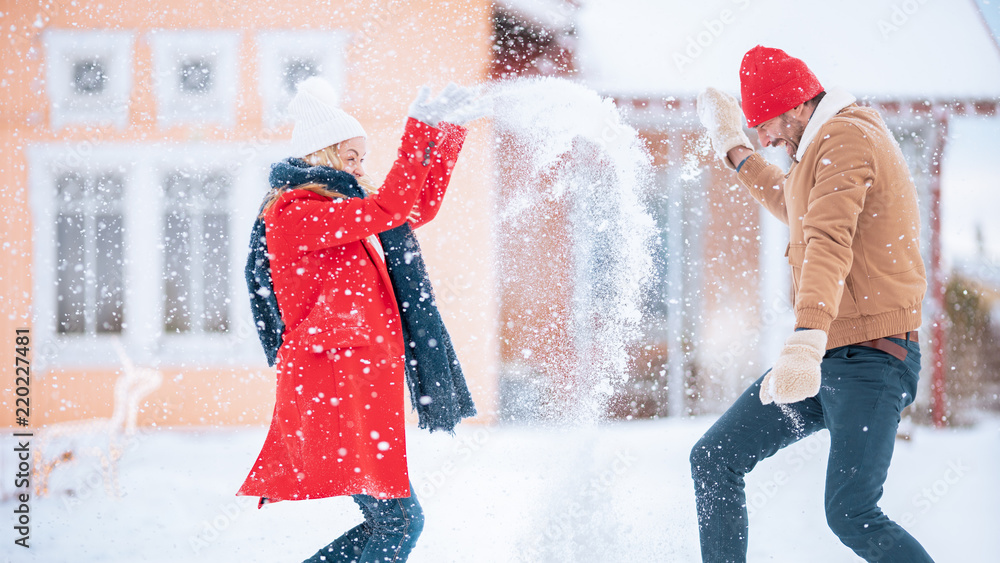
[319, 340]
[796, 254]
[849, 306]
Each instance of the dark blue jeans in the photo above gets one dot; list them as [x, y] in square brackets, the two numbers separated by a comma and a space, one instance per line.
[387, 535]
[862, 395]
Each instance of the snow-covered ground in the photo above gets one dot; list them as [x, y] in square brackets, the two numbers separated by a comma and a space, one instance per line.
[616, 492]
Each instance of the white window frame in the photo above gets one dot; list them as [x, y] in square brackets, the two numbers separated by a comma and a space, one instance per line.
[89, 209]
[198, 168]
[63, 49]
[274, 48]
[144, 204]
[170, 50]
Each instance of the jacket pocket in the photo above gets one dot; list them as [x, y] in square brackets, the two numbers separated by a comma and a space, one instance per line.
[320, 339]
[899, 291]
[849, 306]
[796, 254]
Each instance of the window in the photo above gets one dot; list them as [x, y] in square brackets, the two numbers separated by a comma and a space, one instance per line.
[195, 76]
[195, 239]
[89, 250]
[146, 245]
[667, 364]
[88, 76]
[296, 70]
[289, 57]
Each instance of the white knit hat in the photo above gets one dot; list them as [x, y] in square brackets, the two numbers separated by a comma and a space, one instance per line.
[319, 123]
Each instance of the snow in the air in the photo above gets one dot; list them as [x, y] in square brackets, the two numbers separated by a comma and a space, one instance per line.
[573, 487]
[595, 165]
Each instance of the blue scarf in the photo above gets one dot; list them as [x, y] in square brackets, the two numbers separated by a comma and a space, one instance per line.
[437, 386]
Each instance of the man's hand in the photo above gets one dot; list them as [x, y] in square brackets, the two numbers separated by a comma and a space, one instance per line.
[796, 375]
[721, 116]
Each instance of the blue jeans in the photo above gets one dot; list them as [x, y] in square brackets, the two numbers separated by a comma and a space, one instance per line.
[387, 535]
[862, 395]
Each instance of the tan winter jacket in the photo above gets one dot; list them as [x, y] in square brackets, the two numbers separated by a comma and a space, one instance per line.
[854, 225]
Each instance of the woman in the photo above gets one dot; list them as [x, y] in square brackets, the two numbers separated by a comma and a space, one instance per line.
[356, 313]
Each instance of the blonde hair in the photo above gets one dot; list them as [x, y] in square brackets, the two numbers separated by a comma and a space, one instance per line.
[329, 157]
[313, 187]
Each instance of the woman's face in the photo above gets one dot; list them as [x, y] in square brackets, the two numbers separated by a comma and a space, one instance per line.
[352, 155]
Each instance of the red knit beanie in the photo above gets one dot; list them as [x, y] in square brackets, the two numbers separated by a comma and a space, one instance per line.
[772, 83]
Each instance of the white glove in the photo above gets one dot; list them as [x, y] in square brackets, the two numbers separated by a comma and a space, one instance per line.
[796, 375]
[432, 110]
[474, 109]
[721, 116]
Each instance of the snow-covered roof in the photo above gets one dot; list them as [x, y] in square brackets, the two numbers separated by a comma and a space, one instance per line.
[884, 49]
[551, 14]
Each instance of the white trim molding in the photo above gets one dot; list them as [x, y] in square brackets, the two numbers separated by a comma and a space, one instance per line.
[289, 56]
[195, 76]
[88, 76]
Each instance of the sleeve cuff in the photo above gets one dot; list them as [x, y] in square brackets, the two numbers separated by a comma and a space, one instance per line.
[740, 165]
[750, 169]
[813, 318]
[419, 140]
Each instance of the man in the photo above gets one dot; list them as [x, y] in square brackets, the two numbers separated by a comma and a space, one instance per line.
[851, 365]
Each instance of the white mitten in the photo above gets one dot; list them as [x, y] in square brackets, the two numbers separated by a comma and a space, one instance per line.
[471, 110]
[796, 375]
[432, 110]
[720, 114]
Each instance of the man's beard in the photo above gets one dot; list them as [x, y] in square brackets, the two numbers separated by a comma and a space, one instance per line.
[794, 131]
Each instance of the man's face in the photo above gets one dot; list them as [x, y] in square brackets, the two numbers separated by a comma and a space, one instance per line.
[784, 130]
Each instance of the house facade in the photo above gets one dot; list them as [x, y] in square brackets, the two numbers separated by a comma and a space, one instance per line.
[136, 146]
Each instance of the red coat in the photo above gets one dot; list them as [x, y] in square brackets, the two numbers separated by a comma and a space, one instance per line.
[338, 425]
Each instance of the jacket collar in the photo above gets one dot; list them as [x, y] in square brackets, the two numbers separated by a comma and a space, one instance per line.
[835, 100]
[295, 172]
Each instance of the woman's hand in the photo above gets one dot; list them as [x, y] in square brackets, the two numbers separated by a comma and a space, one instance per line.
[433, 110]
[472, 110]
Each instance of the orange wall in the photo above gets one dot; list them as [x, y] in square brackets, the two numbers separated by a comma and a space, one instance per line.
[396, 47]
